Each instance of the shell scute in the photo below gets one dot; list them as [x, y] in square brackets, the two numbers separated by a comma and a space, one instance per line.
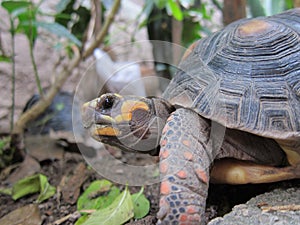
[246, 76]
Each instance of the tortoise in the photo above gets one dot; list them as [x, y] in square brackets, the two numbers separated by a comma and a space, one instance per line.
[231, 114]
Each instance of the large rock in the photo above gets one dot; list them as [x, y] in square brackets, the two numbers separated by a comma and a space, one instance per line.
[251, 212]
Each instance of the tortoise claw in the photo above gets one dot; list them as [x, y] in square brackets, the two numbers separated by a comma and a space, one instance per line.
[163, 210]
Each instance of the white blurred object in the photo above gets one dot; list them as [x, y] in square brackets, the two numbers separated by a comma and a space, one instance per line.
[124, 78]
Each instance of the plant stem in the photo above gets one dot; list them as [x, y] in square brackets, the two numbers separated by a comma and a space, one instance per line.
[13, 77]
[31, 50]
[36, 75]
[43, 103]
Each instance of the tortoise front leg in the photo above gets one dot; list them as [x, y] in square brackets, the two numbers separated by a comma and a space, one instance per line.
[185, 160]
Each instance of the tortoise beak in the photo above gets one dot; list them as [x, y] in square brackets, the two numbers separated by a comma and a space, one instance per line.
[87, 114]
[90, 115]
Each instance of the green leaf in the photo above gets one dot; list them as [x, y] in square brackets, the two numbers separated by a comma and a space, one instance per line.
[59, 30]
[120, 211]
[46, 190]
[6, 191]
[25, 12]
[29, 29]
[4, 142]
[59, 106]
[82, 219]
[191, 31]
[100, 194]
[11, 6]
[19, 12]
[175, 10]
[4, 58]
[289, 4]
[256, 8]
[160, 3]
[26, 17]
[26, 186]
[31, 185]
[141, 204]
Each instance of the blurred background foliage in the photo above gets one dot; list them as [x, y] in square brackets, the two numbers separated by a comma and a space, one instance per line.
[75, 16]
[75, 23]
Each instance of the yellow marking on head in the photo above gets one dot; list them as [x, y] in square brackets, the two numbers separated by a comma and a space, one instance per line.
[131, 105]
[118, 96]
[123, 117]
[253, 27]
[128, 107]
[106, 131]
[118, 118]
[108, 118]
[92, 104]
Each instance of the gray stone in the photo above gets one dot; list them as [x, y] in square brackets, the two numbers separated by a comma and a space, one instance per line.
[251, 213]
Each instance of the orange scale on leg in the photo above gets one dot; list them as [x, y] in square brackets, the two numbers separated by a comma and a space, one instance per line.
[164, 154]
[165, 188]
[188, 156]
[163, 142]
[202, 175]
[163, 167]
[186, 143]
[191, 209]
[170, 118]
[166, 128]
[183, 218]
[181, 174]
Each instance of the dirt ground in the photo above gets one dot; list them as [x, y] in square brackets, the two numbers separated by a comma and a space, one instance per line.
[63, 161]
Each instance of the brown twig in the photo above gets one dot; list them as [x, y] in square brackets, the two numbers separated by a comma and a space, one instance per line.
[101, 35]
[75, 215]
[292, 207]
[41, 105]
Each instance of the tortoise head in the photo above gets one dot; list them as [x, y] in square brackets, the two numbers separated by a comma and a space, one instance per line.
[131, 123]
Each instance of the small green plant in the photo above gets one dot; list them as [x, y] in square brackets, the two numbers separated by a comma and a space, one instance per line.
[191, 14]
[106, 203]
[30, 185]
[26, 17]
[23, 16]
[5, 154]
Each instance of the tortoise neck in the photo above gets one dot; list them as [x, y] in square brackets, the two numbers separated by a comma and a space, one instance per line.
[162, 108]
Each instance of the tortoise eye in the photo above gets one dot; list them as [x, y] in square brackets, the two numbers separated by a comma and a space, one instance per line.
[108, 102]
[105, 102]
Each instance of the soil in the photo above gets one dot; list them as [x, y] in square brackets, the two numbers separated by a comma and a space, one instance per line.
[221, 200]
[56, 207]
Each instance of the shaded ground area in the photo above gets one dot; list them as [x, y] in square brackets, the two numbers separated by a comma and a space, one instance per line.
[63, 203]
[56, 163]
